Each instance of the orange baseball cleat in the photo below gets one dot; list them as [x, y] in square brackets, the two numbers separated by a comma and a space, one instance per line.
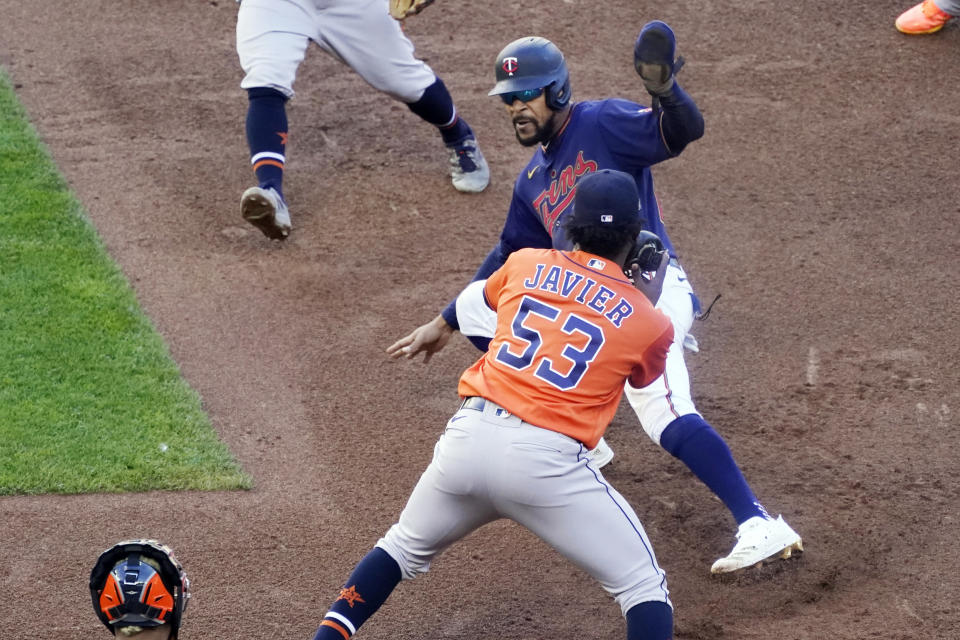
[926, 17]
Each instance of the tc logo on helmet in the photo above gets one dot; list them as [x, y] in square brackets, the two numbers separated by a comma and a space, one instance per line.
[510, 65]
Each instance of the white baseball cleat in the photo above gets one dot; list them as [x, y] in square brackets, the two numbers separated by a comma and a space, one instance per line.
[759, 539]
[266, 210]
[600, 454]
[469, 171]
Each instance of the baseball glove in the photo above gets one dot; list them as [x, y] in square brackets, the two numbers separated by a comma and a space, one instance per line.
[401, 9]
[655, 57]
[646, 253]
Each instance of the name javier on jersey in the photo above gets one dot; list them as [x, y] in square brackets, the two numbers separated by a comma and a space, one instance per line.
[579, 288]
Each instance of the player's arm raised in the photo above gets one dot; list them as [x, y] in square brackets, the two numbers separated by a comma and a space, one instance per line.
[656, 62]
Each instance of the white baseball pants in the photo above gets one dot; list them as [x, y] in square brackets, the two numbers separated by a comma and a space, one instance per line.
[668, 397]
[273, 35]
[489, 464]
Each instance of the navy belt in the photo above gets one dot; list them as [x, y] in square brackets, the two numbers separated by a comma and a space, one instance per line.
[473, 402]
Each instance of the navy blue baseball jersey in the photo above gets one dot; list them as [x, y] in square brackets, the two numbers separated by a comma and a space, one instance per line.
[606, 134]
[603, 134]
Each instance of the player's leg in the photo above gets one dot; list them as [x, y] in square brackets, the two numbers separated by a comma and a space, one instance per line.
[668, 415]
[347, 30]
[370, 584]
[469, 171]
[569, 505]
[440, 510]
[271, 44]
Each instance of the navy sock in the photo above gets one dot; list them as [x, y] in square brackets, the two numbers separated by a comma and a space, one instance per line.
[267, 135]
[650, 621]
[695, 443]
[436, 107]
[368, 587]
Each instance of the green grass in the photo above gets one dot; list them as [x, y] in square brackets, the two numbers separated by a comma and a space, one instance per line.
[90, 399]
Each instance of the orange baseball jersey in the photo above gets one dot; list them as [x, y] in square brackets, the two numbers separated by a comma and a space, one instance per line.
[571, 329]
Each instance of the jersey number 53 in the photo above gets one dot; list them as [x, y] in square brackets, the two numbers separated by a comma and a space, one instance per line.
[579, 359]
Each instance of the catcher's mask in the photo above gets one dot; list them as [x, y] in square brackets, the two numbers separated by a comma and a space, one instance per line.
[529, 66]
[139, 583]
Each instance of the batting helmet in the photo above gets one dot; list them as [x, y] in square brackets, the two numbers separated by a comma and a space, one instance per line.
[139, 583]
[533, 63]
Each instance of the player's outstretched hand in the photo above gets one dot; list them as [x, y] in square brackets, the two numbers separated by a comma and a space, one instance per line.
[652, 286]
[429, 338]
[655, 57]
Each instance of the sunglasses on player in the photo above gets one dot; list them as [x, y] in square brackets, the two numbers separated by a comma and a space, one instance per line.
[523, 96]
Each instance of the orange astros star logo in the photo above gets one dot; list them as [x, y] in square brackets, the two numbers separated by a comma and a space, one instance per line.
[350, 595]
[283, 137]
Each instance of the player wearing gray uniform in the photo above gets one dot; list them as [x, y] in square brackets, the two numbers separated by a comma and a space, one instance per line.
[272, 40]
[574, 139]
[532, 407]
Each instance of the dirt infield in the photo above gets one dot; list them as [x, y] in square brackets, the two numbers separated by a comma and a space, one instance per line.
[821, 203]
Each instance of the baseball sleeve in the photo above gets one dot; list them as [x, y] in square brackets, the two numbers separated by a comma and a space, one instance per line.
[632, 133]
[643, 137]
[653, 361]
[477, 320]
[681, 122]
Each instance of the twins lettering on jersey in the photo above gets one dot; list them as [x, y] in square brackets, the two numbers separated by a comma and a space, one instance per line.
[579, 288]
[555, 198]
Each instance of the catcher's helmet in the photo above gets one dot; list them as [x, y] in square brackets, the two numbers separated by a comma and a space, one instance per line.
[533, 63]
[139, 583]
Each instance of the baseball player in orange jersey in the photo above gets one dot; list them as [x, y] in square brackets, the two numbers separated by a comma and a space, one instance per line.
[571, 140]
[571, 329]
